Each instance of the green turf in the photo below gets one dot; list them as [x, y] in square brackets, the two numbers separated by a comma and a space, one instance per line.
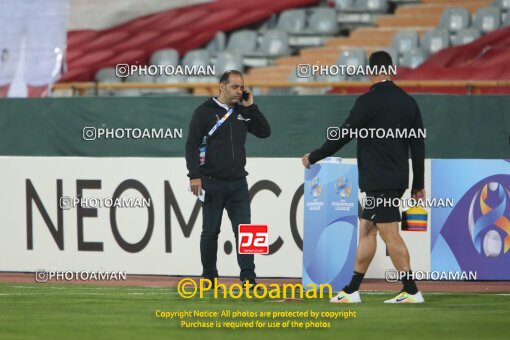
[44, 311]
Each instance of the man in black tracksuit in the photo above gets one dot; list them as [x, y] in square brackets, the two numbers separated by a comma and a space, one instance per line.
[219, 125]
[383, 173]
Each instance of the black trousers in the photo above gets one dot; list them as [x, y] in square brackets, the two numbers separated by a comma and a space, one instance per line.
[231, 195]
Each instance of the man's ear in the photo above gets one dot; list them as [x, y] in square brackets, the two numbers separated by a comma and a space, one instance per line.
[222, 87]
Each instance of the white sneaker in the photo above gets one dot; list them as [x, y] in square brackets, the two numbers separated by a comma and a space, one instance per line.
[343, 297]
[404, 297]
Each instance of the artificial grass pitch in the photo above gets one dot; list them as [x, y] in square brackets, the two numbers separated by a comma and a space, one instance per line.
[47, 311]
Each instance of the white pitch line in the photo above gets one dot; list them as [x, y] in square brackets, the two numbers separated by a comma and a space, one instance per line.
[85, 293]
[164, 291]
[373, 292]
[42, 286]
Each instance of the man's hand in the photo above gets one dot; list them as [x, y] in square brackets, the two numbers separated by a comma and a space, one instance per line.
[196, 186]
[418, 193]
[306, 161]
[250, 99]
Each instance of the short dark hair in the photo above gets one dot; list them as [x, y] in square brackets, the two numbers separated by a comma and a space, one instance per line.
[224, 77]
[381, 60]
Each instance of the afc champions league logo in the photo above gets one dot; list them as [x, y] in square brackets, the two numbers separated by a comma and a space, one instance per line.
[315, 187]
[343, 187]
[488, 220]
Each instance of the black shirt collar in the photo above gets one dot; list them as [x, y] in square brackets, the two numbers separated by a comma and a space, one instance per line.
[381, 84]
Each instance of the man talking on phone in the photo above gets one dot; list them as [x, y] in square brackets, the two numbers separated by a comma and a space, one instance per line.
[215, 158]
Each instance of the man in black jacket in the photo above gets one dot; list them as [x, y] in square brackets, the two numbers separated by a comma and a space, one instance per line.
[383, 173]
[215, 158]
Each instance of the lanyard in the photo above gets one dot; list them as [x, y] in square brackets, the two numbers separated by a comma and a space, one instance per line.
[221, 121]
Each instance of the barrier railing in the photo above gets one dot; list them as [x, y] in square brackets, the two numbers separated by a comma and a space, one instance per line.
[472, 87]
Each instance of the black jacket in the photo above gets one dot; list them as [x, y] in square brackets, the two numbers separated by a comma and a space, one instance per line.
[383, 162]
[225, 156]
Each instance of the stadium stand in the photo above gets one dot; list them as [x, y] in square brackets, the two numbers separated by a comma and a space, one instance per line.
[417, 19]
[435, 40]
[269, 46]
[218, 43]
[487, 19]
[413, 58]
[183, 29]
[165, 57]
[274, 43]
[455, 19]
[244, 42]
[292, 21]
[465, 36]
[229, 61]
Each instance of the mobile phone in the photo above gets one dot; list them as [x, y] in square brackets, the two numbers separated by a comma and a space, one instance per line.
[245, 95]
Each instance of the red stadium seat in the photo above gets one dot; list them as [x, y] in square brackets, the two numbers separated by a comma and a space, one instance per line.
[281, 5]
[72, 55]
[76, 74]
[91, 59]
[270, 5]
[220, 21]
[185, 19]
[105, 41]
[147, 22]
[76, 38]
[128, 57]
[158, 22]
[170, 40]
[137, 40]
[247, 19]
[483, 59]
[194, 41]
[183, 29]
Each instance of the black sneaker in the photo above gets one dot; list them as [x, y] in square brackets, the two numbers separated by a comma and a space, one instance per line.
[214, 282]
[251, 283]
